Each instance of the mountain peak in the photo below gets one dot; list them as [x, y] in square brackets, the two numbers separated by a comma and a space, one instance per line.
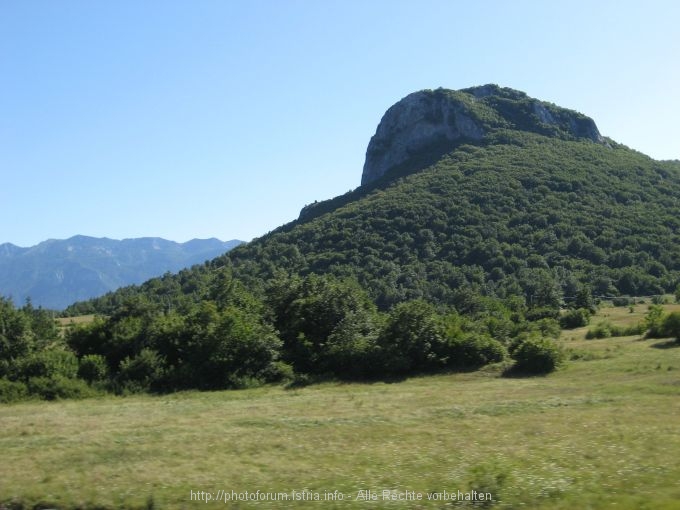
[491, 89]
[435, 121]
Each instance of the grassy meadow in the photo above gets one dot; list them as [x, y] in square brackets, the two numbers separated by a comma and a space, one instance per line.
[65, 322]
[602, 432]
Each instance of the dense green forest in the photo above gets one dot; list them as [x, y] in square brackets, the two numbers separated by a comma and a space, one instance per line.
[525, 215]
[452, 261]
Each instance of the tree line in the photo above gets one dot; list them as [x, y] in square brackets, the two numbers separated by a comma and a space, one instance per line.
[307, 329]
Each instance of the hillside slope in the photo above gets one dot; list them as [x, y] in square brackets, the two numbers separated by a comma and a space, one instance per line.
[538, 205]
[495, 217]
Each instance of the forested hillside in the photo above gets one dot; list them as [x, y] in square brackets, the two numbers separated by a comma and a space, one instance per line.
[463, 253]
[501, 220]
[525, 215]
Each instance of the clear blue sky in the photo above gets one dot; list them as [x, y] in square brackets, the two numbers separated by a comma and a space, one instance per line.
[185, 119]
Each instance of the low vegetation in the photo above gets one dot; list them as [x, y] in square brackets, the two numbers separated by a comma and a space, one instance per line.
[309, 329]
[598, 433]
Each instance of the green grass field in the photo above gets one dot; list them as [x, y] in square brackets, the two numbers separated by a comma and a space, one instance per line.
[602, 432]
[64, 322]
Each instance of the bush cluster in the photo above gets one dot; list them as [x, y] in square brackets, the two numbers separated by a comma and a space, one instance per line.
[34, 360]
[537, 355]
[307, 328]
[605, 329]
[662, 325]
[575, 318]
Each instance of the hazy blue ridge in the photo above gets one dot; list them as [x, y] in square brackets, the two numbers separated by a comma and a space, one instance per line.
[56, 273]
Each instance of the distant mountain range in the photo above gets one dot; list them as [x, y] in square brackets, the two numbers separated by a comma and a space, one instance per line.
[56, 273]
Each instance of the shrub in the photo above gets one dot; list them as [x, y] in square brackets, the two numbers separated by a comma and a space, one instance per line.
[671, 325]
[413, 339]
[584, 299]
[544, 312]
[93, 368]
[606, 330]
[636, 329]
[622, 301]
[49, 363]
[489, 477]
[538, 356]
[474, 351]
[11, 391]
[279, 371]
[231, 349]
[58, 387]
[575, 318]
[654, 322]
[546, 327]
[602, 330]
[325, 323]
[351, 350]
[142, 372]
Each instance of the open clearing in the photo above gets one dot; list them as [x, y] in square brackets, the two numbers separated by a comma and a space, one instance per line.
[602, 432]
[69, 321]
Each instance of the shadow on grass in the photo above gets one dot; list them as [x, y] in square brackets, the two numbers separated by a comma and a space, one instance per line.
[668, 344]
[303, 380]
[514, 372]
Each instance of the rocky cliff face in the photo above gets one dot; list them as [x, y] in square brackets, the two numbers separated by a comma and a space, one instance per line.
[419, 120]
[439, 119]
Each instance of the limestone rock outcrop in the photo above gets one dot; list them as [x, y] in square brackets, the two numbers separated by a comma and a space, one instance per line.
[434, 118]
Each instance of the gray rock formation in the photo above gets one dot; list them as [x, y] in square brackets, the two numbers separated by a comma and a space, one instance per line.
[440, 118]
[415, 122]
